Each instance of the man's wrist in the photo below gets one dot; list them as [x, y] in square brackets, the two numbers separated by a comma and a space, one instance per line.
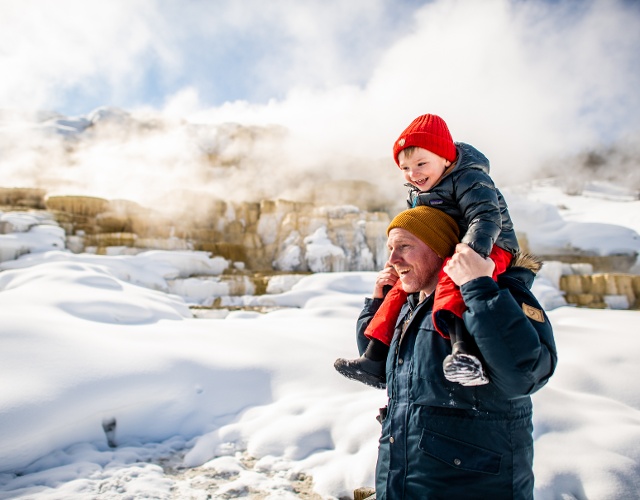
[478, 286]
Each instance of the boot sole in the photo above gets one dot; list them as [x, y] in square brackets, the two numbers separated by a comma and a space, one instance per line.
[359, 375]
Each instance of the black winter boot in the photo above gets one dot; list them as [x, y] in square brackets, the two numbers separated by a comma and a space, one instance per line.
[370, 368]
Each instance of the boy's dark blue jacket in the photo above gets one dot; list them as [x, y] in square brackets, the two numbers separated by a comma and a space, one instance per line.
[467, 193]
[442, 440]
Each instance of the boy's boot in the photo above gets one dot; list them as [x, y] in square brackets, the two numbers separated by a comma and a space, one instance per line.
[370, 368]
[461, 366]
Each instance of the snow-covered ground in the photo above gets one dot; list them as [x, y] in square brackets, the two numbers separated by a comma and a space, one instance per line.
[110, 388]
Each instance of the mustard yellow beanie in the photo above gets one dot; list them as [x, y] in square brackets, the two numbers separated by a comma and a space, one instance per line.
[433, 226]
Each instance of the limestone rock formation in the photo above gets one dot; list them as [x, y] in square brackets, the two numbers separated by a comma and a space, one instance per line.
[270, 235]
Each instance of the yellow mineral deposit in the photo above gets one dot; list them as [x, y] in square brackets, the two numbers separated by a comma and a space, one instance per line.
[254, 233]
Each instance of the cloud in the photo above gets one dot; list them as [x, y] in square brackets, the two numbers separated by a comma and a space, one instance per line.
[523, 81]
[70, 53]
[55, 50]
[527, 82]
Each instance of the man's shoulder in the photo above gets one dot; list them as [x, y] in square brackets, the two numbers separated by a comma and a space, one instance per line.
[522, 271]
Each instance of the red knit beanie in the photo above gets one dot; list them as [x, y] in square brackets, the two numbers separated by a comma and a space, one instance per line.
[427, 132]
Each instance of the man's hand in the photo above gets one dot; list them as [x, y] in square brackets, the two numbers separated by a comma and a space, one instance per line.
[466, 265]
[386, 277]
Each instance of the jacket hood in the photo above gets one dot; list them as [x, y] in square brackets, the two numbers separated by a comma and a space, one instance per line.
[528, 261]
[523, 267]
[470, 157]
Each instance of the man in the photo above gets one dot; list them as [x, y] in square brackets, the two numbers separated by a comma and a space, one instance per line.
[441, 439]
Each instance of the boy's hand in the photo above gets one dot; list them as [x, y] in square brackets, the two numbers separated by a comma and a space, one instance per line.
[466, 265]
[386, 277]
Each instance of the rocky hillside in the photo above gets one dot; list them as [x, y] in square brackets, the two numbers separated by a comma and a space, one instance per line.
[263, 236]
[122, 183]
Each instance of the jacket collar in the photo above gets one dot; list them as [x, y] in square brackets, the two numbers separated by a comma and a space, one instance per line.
[524, 267]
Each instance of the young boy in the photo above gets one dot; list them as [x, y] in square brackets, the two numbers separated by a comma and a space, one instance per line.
[453, 177]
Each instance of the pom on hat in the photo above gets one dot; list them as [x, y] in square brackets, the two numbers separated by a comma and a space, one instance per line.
[431, 225]
[427, 132]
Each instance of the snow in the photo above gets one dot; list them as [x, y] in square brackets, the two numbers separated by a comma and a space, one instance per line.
[321, 253]
[555, 221]
[249, 404]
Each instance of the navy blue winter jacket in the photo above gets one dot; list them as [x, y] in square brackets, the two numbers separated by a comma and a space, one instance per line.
[442, 440]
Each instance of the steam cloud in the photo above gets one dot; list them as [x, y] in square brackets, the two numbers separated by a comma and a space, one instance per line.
[326, 88]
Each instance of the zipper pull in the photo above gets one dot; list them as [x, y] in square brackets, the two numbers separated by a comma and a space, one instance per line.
[405, 325]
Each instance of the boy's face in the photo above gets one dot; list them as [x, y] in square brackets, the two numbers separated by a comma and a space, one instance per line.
[422, 169]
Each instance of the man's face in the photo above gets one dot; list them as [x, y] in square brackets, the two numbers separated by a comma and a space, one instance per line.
[414, 261]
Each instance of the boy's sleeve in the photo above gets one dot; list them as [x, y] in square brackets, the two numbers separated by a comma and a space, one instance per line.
[478, 201]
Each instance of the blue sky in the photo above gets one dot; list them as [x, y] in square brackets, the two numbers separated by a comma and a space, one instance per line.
[545, 75]
[75, 55]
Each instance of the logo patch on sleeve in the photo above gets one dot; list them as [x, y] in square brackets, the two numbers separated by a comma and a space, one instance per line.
[533, 313]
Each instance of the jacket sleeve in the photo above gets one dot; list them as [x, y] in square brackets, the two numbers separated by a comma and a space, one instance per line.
[368, 311]
[478, 201]
[518, 348]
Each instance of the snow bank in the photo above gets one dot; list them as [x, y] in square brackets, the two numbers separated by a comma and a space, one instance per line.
[251, 403]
